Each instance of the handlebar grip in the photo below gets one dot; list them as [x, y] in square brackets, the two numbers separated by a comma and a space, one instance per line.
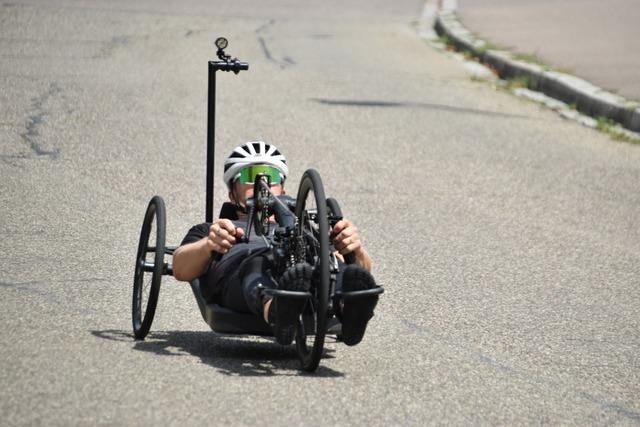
[232, 65]
[216, 256]
[350, 258]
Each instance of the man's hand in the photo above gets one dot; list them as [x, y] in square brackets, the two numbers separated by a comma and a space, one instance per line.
[222, 235]
[346, 237]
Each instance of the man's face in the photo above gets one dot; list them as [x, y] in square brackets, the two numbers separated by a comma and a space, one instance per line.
[242, 192]
[242, 188]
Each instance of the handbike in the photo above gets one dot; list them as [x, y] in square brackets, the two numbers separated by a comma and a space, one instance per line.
[301, 235]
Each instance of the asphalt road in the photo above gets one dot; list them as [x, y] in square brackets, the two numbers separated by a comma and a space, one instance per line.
[506, 238]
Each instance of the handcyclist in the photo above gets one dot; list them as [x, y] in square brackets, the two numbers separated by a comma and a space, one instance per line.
[232, 280]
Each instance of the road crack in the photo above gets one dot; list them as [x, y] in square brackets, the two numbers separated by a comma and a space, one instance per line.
[264, 35]
[35, 120]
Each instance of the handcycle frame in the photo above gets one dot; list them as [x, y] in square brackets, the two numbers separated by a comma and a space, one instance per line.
[302, 234]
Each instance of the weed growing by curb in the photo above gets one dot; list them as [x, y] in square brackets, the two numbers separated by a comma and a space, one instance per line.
[469, 56]
[603, 124]
[446, 40]
[517, 82]
[614, 130]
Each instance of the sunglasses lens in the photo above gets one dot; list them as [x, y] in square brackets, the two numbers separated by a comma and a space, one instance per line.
[248, 174]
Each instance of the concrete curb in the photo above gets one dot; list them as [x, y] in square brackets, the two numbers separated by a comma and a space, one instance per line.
[588, 98]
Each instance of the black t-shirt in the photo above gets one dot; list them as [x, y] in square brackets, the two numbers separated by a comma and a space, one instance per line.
[220, 270]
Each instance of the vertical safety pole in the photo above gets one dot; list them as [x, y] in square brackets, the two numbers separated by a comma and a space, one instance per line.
[211, 125]
[226, 63]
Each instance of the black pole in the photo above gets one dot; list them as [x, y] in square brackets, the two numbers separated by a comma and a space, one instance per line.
[226, 63]
[211, 125]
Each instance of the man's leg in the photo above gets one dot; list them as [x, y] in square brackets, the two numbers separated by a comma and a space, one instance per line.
[255, 273]
[355, 313]
[241, 294]
[283, 312]
[240, 291]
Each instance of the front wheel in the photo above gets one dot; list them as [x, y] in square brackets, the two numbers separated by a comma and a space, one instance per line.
[149, 267]
[313, 225]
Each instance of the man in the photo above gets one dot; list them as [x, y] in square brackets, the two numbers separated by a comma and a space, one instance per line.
[232, 280]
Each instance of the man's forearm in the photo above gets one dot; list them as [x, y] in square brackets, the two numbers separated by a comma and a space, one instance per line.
[363, 259]
[191, 260]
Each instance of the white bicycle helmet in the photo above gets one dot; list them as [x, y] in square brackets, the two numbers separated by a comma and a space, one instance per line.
[253, 153]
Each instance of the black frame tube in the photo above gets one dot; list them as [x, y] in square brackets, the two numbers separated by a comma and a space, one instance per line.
[226, 64]
[211, 125]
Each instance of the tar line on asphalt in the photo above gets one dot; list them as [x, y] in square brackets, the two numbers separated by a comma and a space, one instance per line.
[388, 104]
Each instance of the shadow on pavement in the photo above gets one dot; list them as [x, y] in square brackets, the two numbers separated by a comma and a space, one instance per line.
[231, 355]
[390, 104]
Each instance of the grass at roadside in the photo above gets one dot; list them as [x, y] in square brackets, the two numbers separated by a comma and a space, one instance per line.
[614, 130]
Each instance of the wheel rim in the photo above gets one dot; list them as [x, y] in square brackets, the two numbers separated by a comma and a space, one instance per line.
[146, 284]
[145, 278]
[311, 211]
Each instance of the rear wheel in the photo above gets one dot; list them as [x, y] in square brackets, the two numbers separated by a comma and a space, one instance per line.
[149, 267]
[311, 211]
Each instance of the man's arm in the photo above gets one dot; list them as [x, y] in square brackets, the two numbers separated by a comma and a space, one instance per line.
[191, 260]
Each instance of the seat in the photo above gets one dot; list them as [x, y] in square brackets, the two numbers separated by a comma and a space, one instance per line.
[226, 321]
[222, 319]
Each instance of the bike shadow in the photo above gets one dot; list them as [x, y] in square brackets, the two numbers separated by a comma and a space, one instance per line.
[230, 354]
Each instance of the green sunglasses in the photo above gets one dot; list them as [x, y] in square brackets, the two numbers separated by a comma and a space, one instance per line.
[248, 174]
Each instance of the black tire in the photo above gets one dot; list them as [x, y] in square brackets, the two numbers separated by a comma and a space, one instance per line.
[334, 210]
[318, 256]
[149, 269]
